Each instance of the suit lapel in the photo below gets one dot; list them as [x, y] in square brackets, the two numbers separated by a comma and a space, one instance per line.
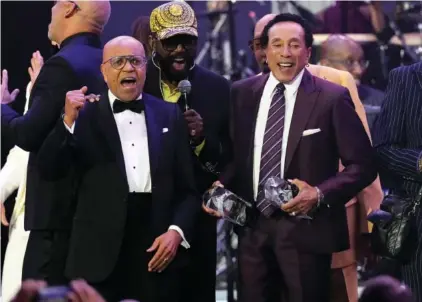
[108, 126]
[154, 131]
[304, 105]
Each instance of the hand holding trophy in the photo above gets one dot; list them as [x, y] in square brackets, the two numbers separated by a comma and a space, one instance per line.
[294, 197]
[223, 203]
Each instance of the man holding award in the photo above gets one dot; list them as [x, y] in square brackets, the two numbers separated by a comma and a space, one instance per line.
[290, 129]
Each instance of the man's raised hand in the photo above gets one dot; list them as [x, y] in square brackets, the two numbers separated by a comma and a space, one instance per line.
[75, 101]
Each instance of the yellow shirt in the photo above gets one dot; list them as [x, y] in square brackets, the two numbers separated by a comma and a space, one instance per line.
[172, 96]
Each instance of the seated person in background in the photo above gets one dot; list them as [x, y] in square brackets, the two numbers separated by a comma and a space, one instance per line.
[343, 53]
[385, 289]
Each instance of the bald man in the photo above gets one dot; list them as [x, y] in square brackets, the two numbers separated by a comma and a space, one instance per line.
[136, 205]
[343, 53]
[75, 26]
[255, 44]
[344, 264]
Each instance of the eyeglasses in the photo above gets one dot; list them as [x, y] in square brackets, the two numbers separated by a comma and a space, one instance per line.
[255, 44]
[119, 62]
[171, 44]
[351, 63]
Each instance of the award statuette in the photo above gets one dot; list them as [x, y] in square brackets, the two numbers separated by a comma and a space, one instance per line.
[279, 191]
[230, 206]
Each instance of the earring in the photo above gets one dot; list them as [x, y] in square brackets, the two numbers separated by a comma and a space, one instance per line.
[307, 64]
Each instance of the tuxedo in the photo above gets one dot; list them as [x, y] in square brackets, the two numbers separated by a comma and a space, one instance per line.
[321, 128]
[209, 97]
[49, 204]
[103, 206]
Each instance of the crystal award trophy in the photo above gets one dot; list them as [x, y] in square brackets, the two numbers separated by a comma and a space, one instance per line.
[279, 191]
[230, 206]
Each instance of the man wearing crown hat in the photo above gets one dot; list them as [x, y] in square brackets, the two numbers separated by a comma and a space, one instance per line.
[206, 110]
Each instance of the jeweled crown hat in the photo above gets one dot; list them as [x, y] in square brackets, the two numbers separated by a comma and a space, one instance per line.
[173, 18]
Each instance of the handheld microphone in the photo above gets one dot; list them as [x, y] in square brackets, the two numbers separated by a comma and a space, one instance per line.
[185, 87]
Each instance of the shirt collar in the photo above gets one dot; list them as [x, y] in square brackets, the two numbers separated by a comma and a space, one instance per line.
[291, 87]
[112, 98]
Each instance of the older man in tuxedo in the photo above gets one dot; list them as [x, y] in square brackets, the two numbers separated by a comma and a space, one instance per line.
[293, 125]
[136, 199]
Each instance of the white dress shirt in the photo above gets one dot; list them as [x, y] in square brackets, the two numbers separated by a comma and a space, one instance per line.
[261, 122]
[134, 139]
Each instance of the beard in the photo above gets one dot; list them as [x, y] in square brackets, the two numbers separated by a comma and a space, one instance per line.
[172, 74]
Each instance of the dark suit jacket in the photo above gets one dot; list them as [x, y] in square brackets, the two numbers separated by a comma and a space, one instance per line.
[96, 151]
[209, 97]
[398, 131]
[371, 99]
[48, 204]
[314, 159]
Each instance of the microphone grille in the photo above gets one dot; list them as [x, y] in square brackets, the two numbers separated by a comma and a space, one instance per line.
[184, 86]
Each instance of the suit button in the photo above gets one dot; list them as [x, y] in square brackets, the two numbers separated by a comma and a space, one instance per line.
[153, 187]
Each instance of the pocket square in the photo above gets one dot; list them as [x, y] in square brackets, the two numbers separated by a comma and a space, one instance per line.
[165, 130]
[310, 132]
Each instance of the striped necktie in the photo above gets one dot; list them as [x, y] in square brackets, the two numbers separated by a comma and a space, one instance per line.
[271, 148]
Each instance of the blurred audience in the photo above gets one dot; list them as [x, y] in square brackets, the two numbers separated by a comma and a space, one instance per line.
[80, 291]
[385, 289]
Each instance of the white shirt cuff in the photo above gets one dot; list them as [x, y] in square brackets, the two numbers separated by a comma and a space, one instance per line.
[71, 129]
[184, 243]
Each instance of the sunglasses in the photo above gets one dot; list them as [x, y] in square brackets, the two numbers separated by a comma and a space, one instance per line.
[171, 44]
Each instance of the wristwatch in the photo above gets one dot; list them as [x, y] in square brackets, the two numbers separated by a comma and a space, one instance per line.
[320, 196]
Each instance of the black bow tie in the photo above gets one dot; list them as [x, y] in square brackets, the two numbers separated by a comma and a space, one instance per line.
[135, 106]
